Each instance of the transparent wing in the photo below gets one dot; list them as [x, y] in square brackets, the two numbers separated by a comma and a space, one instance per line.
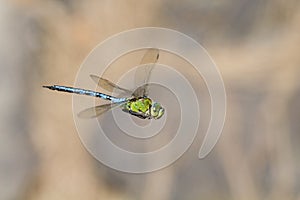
[142, 74]
[97, 110]
[109, 86]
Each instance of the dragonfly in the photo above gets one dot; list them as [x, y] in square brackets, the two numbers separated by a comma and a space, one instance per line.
[136, 102]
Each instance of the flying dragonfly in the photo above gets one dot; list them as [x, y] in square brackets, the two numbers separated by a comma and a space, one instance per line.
[137, 102]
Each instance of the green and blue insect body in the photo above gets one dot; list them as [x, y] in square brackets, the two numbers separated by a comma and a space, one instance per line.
[137, 103]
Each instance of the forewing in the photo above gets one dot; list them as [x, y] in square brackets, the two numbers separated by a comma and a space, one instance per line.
[109, 86]
[97, 110]
[143, 73]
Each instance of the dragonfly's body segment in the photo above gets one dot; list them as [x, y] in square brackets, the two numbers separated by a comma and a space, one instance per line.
[86, 92]
[139, 107]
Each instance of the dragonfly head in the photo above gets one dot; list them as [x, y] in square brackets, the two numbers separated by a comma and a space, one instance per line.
[157, 111]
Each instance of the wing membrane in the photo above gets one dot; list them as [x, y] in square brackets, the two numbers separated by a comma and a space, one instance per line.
[142, 74]
[109, 86]
[97, 110]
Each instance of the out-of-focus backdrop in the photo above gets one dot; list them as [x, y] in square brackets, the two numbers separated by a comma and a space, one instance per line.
[256, 46]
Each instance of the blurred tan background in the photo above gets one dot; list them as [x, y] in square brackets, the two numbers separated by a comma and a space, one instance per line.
[256, 46]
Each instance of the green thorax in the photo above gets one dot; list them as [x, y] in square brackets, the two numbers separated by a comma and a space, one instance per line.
[138, 106]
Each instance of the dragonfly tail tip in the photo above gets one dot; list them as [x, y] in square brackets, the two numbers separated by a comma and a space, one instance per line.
[45, 86]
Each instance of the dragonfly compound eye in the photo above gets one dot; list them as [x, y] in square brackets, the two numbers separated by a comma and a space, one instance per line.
[157, 111]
